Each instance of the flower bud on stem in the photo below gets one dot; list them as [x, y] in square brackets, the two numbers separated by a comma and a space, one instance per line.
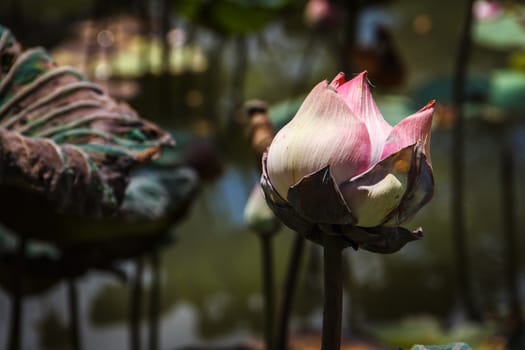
[333, 292]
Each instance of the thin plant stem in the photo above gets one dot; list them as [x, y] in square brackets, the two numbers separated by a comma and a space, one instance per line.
[462, 265]
[348, 42]
[511, 242]
[136, 305]
[73, 314]
[154, 305]
[289, 288]
[165, 16]
[15, 340]
[333, 292]
[238, 75]
[268, 289]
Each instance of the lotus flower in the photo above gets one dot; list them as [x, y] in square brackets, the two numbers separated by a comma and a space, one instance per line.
[339, 166]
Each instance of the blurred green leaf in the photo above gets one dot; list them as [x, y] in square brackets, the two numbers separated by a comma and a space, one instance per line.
[503, 33]
[395, 108]
[232, 16]
[427, 330]
[440, 89]
[282, 112]
[507, 90]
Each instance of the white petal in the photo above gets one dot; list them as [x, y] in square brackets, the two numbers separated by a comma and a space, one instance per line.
[323, 132]
[373, 195]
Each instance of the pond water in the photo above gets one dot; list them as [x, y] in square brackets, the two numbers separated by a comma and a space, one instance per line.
[210, 277]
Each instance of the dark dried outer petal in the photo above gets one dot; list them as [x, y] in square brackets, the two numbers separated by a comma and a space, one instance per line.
[317, 198]
[395, 238]
[281, 208]
[420, 189]
[381, 239]
[63, 137]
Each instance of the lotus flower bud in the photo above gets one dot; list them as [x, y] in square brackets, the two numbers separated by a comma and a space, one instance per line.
[338, 162]
[258, 215]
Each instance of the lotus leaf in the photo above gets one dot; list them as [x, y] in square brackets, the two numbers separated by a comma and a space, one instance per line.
[62, 138]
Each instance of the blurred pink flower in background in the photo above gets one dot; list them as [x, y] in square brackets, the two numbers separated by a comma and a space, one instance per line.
[486, 10]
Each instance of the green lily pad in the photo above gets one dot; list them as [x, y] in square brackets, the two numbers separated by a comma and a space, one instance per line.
[507, 90]
[496, 97]
[440, 89]
[502, 33]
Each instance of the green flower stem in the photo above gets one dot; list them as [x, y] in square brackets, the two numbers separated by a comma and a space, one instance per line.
[289, 287]
[16, 308]
[333, 292]
[136, 305]
[268, 289]
[73, 314]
